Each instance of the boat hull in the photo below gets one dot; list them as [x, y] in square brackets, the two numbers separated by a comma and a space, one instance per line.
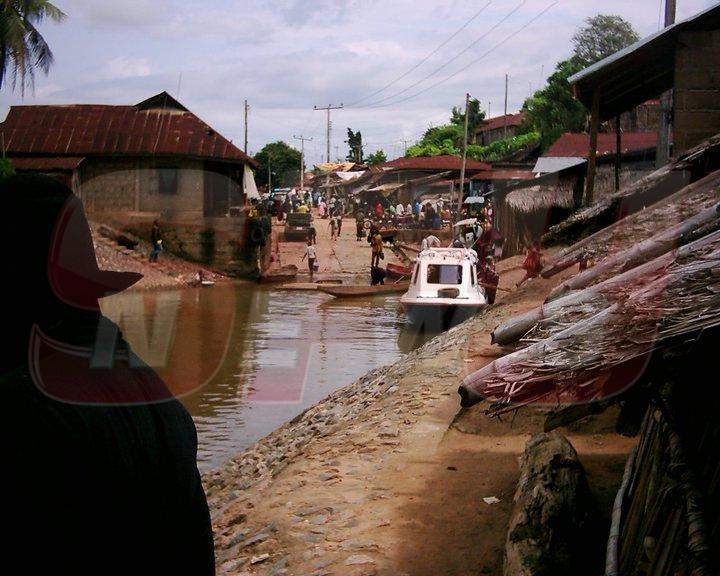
[437, 317]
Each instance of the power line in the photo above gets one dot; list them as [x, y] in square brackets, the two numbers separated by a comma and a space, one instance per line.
[446, 64]
[416, 66]
[473, 62]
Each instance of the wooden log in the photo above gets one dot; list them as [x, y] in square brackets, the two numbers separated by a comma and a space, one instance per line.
[640, 253]
[567, 257]
[551, 512]
[515, 328]
[612, 564]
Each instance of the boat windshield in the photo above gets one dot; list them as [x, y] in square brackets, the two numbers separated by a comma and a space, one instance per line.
[444, 274]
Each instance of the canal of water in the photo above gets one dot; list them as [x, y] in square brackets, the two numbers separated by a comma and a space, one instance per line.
[244, 359]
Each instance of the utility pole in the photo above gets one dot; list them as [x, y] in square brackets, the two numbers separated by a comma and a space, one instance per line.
[328, 108]
[269, 173]
[247, 108]
[464, 154]
[662, 155]
[505, 120]
[404, 143]
[302, 158]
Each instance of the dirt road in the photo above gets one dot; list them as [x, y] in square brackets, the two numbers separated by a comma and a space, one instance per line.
[342, 256]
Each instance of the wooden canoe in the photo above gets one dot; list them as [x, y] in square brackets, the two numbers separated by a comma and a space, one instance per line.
[398, 271]
[358, 291]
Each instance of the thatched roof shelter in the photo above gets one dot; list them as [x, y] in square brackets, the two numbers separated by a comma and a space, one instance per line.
[541, 197]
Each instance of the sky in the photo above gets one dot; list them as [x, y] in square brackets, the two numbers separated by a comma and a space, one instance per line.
[379, 58]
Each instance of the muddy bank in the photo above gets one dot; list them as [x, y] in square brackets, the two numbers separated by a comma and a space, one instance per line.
[169, 272]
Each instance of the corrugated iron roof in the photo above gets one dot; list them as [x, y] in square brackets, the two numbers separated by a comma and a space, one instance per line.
[549, 164]
[500, 122]
[50, 164]
[446, 162]
[504, 175]
[573, 145]
[641, 71]
[88, 129]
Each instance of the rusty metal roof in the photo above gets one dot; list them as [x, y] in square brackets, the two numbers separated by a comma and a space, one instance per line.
[500, 122]
[440, 163]
[149, 128]
[49, 164]
[577, 145]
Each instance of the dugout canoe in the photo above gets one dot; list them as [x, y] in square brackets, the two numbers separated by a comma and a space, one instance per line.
[397, 271]
[358, 291]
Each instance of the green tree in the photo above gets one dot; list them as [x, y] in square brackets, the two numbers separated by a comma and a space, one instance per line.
[602, 36]
[284, 164]
[553, 110]
[354, 142]
[476, 116]
[22, 47]
[378, 157]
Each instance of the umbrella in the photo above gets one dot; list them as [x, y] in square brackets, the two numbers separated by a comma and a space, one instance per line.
[468, 222]
[474, 200]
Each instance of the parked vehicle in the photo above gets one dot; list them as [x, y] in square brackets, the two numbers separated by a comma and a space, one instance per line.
[297, 226]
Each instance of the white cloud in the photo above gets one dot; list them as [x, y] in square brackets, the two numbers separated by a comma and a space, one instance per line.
[126, 67]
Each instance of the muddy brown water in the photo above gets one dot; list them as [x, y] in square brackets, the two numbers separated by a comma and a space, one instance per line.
[245, 359]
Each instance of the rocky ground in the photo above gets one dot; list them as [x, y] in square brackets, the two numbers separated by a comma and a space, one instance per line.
[169, 272]
[387, 475]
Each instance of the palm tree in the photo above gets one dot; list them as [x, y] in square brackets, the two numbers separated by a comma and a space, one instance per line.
[22, 47]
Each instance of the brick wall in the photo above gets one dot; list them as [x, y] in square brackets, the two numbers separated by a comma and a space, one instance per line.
[697, 89]
[125, 194]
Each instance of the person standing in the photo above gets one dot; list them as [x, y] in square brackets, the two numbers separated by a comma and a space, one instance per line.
[156, 241]
[311, 255]
[377, 249]
[312, 235]
[532, 263]
[490, 279]
[333, 228]
[339, 224]
[359, 226]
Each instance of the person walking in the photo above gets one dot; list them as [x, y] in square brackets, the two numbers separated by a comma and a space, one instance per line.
[339, 224]
[156, 241]
[311, 255]
[333, 228]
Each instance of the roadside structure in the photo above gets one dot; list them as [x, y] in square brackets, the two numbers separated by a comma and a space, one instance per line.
[683, 58]
[134, 164]
[498, 128]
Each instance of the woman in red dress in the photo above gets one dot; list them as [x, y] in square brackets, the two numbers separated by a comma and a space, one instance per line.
[532, 263]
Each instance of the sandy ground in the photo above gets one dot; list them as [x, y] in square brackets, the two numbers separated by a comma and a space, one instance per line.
[343, 256]
[388, 475]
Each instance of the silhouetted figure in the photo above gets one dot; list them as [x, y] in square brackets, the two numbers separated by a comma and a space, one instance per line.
[99, 460]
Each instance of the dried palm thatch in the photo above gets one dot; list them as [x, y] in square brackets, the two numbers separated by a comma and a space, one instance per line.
[561, 313]
[541, 198]
[601, 356]
[625, 233]
[660, 184]
[706, 221]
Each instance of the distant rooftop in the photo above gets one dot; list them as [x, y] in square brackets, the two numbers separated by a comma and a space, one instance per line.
[446, 162]
[500, 122]
[577, 145]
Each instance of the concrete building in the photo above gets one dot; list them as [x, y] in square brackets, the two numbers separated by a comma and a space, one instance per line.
[133, 164]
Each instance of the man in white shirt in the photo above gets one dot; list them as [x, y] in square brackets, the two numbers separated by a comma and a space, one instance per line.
[400, 209]
[310, 254]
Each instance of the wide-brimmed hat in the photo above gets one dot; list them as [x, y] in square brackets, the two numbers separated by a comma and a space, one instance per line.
[57, 234]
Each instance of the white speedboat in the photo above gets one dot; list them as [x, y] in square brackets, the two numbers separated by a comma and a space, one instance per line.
[444, 288]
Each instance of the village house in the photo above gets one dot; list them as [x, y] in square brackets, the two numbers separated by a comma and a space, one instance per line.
[529, 203]
[133, 164]
[684, 58]
[498, 128]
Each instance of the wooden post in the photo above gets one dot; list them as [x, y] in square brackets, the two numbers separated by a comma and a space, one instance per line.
[618, 152]
[662, 155]
[592, 154]
[464, 157]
